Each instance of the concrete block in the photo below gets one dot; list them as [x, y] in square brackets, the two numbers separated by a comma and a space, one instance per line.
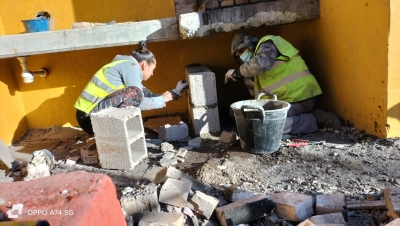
[113, 125]
[227, 137]
[333, 203]
[394, 222]
[120, 137]
[245, 210]
[293, 206]
[75, 198]
[332, 218]
[204, 120]
[225, 3]
[174, 132]
[234, 194]
[121, 155]
[392, 200]
[171, 172]
[175, 192]
[203, 204]
[202, 86]
[161, 219]
[141, 201]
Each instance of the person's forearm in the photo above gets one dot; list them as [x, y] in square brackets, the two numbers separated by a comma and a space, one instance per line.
[263, 61]
[149, 103]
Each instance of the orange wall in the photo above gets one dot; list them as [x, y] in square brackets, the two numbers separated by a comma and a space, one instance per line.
[12, 120]
[347, 52]
[65, 12]
[394, 70]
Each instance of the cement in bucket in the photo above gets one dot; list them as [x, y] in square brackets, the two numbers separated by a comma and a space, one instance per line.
[260, 123]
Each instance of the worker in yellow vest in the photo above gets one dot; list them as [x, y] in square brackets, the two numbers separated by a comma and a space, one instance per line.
[272, 65]
[119, 84]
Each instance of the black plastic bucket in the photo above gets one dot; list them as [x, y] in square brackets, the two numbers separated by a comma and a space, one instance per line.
[260, 123]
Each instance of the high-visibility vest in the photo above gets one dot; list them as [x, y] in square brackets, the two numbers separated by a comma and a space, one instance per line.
[97, 89]
[289, 78]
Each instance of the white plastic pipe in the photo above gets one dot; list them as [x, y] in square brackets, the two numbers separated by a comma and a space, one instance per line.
[27, 75]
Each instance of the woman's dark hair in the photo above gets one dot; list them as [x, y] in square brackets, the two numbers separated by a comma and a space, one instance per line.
[143, 53]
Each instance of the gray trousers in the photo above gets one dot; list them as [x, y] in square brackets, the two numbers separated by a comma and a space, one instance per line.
[299, 119]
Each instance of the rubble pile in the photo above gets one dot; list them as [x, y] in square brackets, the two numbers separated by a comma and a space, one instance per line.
[204, 205]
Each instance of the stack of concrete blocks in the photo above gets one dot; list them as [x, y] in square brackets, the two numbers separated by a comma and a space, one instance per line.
[203, 106]
[120, 138]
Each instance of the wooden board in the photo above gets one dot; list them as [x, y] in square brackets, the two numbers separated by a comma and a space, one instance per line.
[366, 205]
[155, 123]
[29, 149]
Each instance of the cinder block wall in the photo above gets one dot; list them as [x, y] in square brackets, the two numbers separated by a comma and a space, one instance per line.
[346, 48]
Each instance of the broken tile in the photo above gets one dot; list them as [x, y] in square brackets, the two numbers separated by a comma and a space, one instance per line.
[203, 204]
[174, 192]
[293, 206]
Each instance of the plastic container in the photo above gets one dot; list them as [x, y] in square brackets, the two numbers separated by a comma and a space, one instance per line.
[36, 25]
[260, 123]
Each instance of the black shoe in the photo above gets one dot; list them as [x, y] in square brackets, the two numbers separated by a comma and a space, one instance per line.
[326, 119]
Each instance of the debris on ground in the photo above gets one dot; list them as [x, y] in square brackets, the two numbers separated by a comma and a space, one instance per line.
[353, 175]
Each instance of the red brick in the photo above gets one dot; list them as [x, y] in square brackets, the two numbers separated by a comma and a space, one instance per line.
[91, 197]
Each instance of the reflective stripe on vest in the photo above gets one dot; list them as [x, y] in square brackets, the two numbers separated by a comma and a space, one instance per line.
[97, 89]
[289, 77]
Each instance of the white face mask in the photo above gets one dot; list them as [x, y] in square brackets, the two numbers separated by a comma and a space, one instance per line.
[246, 56]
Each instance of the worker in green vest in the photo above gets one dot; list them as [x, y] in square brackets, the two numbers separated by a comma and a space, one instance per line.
[119, 84]
[272, 65]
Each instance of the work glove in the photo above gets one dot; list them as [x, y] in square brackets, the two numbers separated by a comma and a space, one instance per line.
[180, 86]
[229, 75]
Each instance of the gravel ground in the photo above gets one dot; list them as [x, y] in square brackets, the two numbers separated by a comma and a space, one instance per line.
[350, 162]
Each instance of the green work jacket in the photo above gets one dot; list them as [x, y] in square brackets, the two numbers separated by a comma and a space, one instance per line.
[97, 89]
[289, 78]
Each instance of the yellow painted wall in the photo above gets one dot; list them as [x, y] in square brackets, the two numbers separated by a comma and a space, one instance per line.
[12, 120]
[394, 70]
[64, 12]
[346, 49]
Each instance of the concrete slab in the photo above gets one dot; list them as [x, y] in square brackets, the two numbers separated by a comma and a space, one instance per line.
[194, 25]
[88, 38]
